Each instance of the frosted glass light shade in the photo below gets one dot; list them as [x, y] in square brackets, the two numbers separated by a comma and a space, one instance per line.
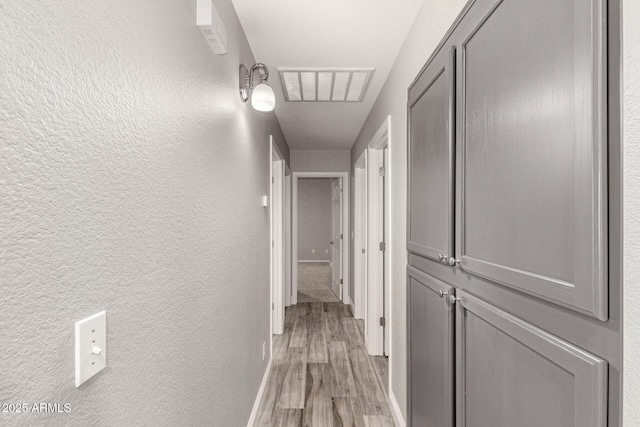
[263, 98]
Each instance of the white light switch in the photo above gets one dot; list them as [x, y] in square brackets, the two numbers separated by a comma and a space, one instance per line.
[265, 201]
[91, 346]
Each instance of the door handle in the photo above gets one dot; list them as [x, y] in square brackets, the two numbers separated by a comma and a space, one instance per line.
[442, 293]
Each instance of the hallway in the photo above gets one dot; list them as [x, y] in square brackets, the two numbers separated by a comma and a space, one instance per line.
[482, 159]
[321, 375]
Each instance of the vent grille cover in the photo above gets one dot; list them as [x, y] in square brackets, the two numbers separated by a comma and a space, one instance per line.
[325, 84]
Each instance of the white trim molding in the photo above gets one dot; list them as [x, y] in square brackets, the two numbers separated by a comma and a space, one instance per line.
[360, 238]
[378, 231]
[398, 419]
[346, 254]
[256, 405]
[277, 249]
[348, 301]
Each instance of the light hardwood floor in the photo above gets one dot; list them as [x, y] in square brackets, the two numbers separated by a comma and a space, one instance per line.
[321, 374]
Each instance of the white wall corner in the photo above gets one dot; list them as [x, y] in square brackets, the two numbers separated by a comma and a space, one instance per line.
[398, 419]
[256, 405]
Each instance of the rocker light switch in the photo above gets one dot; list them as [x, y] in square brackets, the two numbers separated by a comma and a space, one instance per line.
[91, 346]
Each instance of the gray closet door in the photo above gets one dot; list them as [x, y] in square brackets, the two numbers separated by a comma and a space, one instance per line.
[431, 351]
[510, 373]
[532, 148]
[431, 160]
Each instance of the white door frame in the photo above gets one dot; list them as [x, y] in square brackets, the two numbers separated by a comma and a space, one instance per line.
[276, 219]
[360, 264]
[287, 237]
[337, 239]
[344, 176]
[378, 260]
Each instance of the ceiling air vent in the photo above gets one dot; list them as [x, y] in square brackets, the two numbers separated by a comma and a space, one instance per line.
[325, 84]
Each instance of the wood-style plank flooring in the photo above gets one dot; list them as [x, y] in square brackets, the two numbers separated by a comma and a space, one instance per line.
[321, 374]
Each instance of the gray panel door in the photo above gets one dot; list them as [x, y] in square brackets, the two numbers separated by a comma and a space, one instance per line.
[531, 116]
[431, 158]
[431, 351]
[510, 373]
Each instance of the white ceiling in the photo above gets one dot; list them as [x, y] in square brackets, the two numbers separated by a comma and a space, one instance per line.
[326, 34]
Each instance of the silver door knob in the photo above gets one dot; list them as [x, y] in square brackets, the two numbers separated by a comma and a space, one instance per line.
[453, 299]
[453, 262]
[442, 293]
[443, 258]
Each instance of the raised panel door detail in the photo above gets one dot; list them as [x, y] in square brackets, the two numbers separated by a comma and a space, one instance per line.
[510, 373]
[532, 149]
[431, 161]
[431, 346]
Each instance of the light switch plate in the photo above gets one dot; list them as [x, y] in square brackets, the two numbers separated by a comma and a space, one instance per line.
[91, 346]
[265, 201]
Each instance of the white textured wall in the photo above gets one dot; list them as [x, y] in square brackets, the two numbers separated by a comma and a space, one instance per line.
[432, 22]
[631, 132]
[314, 218]
[320, 160]
[130, 181]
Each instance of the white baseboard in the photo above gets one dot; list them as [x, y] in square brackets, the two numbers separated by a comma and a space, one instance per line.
[398, 419]
[313, 260]
[348, 301]
[256, 404]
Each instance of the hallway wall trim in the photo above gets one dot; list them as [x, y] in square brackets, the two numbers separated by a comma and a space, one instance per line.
[398, 419]
[345, 231]
[263, 386]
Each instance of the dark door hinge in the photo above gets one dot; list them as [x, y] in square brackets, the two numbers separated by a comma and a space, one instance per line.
[383, 322]
[382, 171]
[383, 246]
[341, 281]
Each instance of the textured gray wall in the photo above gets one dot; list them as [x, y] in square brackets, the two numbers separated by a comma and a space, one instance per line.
[314, 218]
[433, 20]
[631, 77]
[320, 160]
[130, 181]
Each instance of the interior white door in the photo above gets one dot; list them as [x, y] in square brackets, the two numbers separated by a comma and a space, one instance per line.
[336, 238]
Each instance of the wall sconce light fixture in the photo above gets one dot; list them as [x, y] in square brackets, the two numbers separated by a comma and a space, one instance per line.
[261, 94]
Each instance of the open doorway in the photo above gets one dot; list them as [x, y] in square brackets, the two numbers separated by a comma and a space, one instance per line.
[317, 267]
[320, 250]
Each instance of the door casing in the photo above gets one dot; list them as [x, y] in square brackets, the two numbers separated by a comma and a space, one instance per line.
[377, 293]
[277, 246]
